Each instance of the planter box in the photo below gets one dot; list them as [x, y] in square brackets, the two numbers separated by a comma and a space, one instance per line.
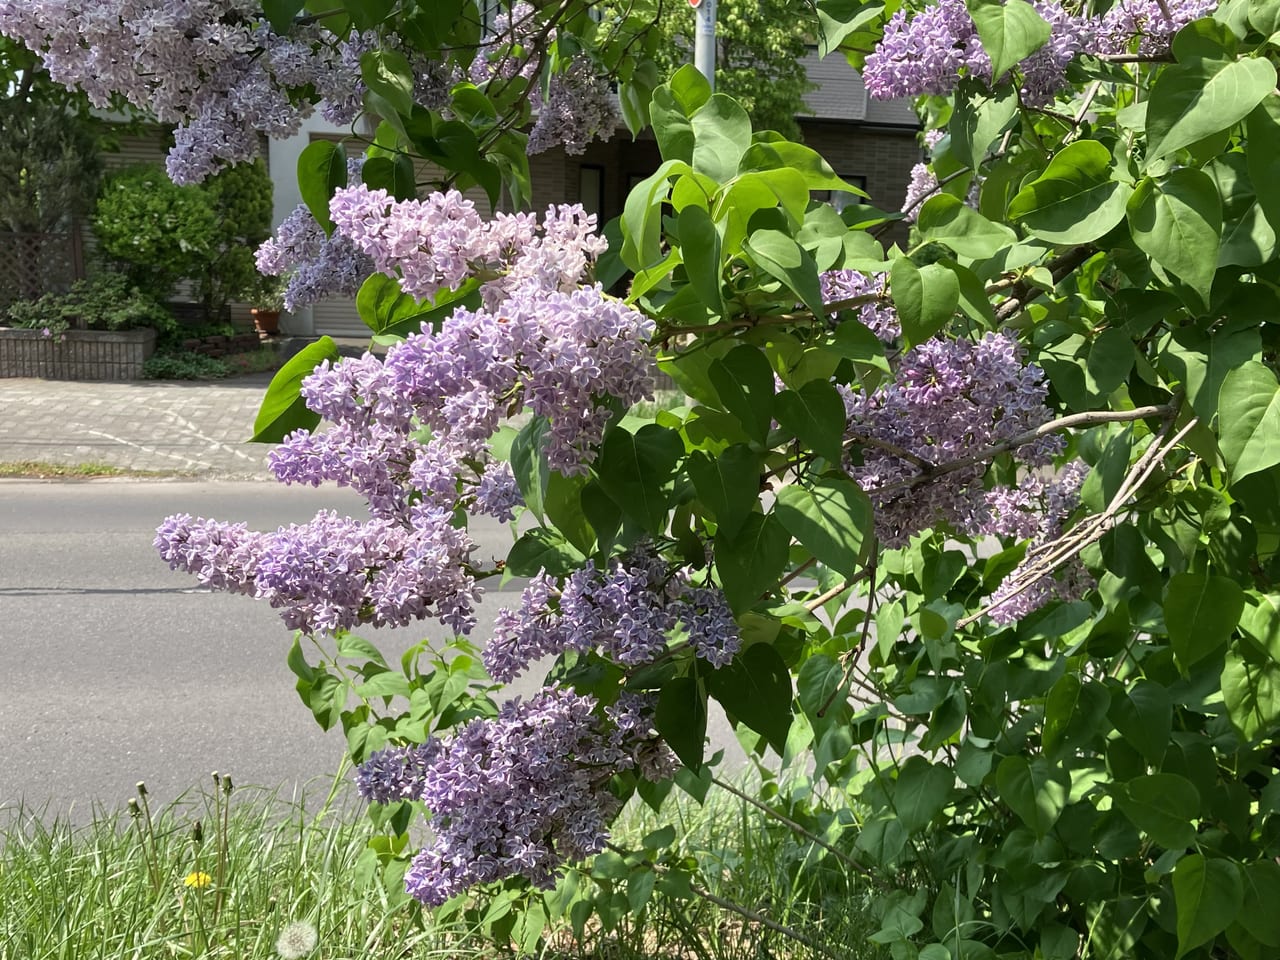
[84, 355]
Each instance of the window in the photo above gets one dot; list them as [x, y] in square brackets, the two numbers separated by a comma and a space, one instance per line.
[839, 198]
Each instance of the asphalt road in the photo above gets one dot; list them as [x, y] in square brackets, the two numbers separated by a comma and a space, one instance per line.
[115, 669]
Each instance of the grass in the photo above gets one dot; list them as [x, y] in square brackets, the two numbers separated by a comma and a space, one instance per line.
[43, 470]
[98, 892]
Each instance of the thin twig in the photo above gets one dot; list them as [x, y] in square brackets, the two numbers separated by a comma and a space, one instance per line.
[834, 592]
[1053, 555]
[1086, 419]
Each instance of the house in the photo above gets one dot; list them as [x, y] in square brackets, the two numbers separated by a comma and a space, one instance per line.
[870, 143]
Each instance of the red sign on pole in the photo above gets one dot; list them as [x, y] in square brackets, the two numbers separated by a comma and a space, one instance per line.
[695, 3]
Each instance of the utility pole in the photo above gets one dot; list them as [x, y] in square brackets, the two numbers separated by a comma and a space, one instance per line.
[704, 39]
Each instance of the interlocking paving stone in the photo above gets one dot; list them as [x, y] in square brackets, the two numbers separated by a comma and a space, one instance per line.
[198, 428]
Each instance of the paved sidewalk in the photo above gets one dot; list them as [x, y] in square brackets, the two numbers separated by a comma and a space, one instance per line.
[198, 428]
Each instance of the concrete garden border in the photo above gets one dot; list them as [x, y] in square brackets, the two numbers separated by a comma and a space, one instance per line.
[75, 355]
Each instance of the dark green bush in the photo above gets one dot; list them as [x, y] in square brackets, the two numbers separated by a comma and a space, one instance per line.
[184, 365]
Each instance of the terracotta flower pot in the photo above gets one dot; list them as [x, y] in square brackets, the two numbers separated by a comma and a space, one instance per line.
[266, 322]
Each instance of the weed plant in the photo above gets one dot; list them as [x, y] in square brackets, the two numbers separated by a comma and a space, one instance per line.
[223, 874]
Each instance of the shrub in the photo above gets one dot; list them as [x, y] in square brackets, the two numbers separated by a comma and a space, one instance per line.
[106, 301]
[184, 365]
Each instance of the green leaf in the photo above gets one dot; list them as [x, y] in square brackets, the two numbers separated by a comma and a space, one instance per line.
[1200, 613]
[1074, 200]
[388, 74]
[393, 174]
[1208, 895]
[728, 485]
[1259, 915]
[280, 13]
[921, 792]
[751, 561]
[1072, 711]
[1009, 31]
[978, 118]
[529, 465]
[756, 690]
[807, 162]
[681, 719]
[783, 259]
[671, 126]
[1143, 715]
[1163, 806]
[1036, 790]
[1178, 223]
[948, 220]
[830, 518]
[543, 549]
[1249, 419]
[322, 169]
[700, 250]
[388, 311]
[633, 470]
[642, 215]
[926, 299]
[815, 414]
[721, 135]
[1205, 361]
[744, 382]
[1263, 156]
[283, 409]
[817, 684]
[1251, 691]
[562, 500]
[1194, 100]
[358, 648]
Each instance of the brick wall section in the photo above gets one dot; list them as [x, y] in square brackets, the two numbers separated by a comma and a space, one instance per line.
[82, 355]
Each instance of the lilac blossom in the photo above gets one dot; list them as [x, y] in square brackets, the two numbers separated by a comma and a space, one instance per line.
[516, 795]
[579, 108]
[436, 243]
[949, 399]
[628, 613]
[879, 317]
[209, 66]
[1146, 22]
[333, 572]
[1056, 500]
[318, 266]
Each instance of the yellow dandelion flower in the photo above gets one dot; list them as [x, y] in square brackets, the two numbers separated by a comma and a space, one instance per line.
[197, 880]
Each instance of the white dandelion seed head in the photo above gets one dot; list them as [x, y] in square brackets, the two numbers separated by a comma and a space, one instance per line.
[297, 939]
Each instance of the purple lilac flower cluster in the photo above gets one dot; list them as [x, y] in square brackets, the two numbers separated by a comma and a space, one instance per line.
[318, 266]
[1041, 510]
[929, 52]
[439, 242]
[627, 613]
[948, 399]
[209, 66]
[880, 318]
[334, 572]
[516, 795]
[578, 109]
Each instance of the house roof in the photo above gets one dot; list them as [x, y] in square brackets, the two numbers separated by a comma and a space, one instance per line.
[841, 95]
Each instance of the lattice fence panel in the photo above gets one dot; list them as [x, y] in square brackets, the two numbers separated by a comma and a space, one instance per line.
[33, 264]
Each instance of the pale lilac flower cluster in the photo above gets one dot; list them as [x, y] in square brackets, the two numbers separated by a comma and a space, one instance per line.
[343, 88]
[949, 399]
[318, 266]
[879, 317]
[516, 795]
[1050, 503]
[931, 51]
[439, 242]
[1146, 22]
[333, 572]
[579, 108]
[558, 353]
[209, 66]
[627, 613]
[507, 50]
